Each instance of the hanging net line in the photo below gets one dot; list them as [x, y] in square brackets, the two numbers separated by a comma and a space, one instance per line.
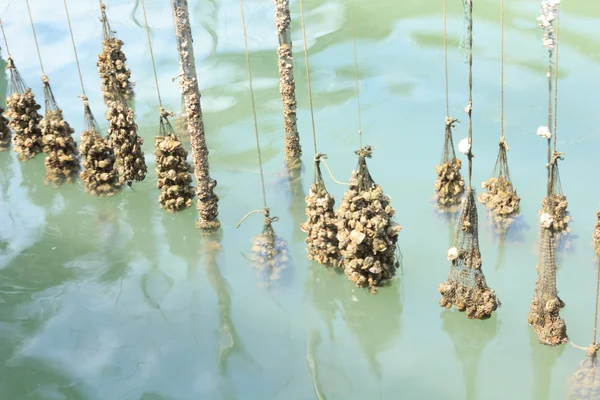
[501, 197]
[270, 254]
[449, 184]
[22, 112]
[62, 155]
[287, 85]
[322, 241]
[596, 236]
[5, 132]
[466, 287]
[545, 306]
[174, 179]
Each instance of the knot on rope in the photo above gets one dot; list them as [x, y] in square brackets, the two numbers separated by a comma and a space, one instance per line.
[557, 156]
[365, 151]
[266, 211]
[503, 143]
[320, 156]
[84, 100]
[45, 79]
[450, 121]
[164, 113]
[10, 64]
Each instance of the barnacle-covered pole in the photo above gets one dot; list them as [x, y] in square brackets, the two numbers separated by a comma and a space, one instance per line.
[287, 85]
[208, 208]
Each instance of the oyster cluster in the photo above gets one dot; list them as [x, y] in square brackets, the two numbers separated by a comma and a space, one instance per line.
[99, 177]
[4, 132]
[269, 255]
[585, 383]
[113, 70]
[449, 185]
[477, 303]
[501, 198]
[596, 235]
[127, 145]
[560, 216]
[367, 235]
[62, 160]
[173, 173]
[24, 120]
[321, 227]
[546, 321]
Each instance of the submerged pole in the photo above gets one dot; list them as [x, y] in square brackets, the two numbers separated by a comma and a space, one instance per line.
[287, 85]
[208, 208]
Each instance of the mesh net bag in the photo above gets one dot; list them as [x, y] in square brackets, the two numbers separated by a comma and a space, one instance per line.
[321, 224]
[4, 132]
[596, 236]
[112, 64]
[367, 235]
[172, 169]
[270, 254]
[584, 384]
[99, 176]
[466, 287]
[62, 160]
[501, 197]
[23, 115]
[449, 185]
[554, 206]
[124, 139]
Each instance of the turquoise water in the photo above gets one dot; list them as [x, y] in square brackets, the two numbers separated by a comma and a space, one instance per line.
[116, 299]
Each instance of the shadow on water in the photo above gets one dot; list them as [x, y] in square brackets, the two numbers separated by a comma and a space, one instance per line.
[544, 360]
[470, 337]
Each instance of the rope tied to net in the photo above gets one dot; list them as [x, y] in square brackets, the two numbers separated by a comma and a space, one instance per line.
[451, 121]
[5, 41]
[360, 131]
[267, 213]
[469, 107]
[10, 63]
[152, 56]
[556, 155]
[75, 51]
[365, 151]
[36, 41]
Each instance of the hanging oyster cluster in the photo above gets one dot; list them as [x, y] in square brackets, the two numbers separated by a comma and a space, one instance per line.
[554, 213]
[112, 64]
[466, 287]
[596, 236]
[546, 321]
[24, 120]
[585, 383]
[501, 198]
[270, 254]
[321, 225]
[99, 176]
[367, 235]
[127, 145]
[62, 160]
[4, 132]
[173, 173]
[449, 184]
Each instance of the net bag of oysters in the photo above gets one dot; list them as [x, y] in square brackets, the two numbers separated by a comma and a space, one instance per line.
[500, 197]
[173, 172]
[321, 230]
[62, 155]
[367, 235]
[112, 64]
[270, 254]
[124, 139]
[545, 306]
[449, 185]
[584, 384]
[554, 206]
[4, 132]
[23, 116]
[99, 176]
[466, 287]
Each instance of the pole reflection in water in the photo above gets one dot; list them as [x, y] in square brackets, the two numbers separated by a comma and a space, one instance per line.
[544, 361]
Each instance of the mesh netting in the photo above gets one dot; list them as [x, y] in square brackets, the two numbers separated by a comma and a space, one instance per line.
[544, 310]
[172, 169]
[4, 132]
[449, 185]
[320, 228]
[501, 197]
[466, 287]
[584, 384]
[112, 64]
[24, 118]
[270, 254]
[62, 155]
[367, 235]
[596, 235]
[554, 207]
[99, 176]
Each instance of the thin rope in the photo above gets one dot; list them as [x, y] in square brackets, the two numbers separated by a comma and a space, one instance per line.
[35, 38]
[549, 166]
[151, 54]
[262, 179]
[470, 106]
[446, 58]
[501, 69]
[4, 36]
[556, 76]
[74, 47]
[597, 295]
[310, 99]
[356, 73]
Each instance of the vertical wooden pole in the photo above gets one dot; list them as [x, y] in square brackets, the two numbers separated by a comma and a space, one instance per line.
[208, 208]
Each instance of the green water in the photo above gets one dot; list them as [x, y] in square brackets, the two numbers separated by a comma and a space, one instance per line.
[116, 299]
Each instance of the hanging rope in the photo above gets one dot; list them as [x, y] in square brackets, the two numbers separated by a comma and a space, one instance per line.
[152, 55]
[262, 178]
[556, 78]
[356, 74]
[36, 42]
[74, 48]
[596, 309]
[446, 58]
[469, 108]
[310, 99]
[4, 36]
[502, 71]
